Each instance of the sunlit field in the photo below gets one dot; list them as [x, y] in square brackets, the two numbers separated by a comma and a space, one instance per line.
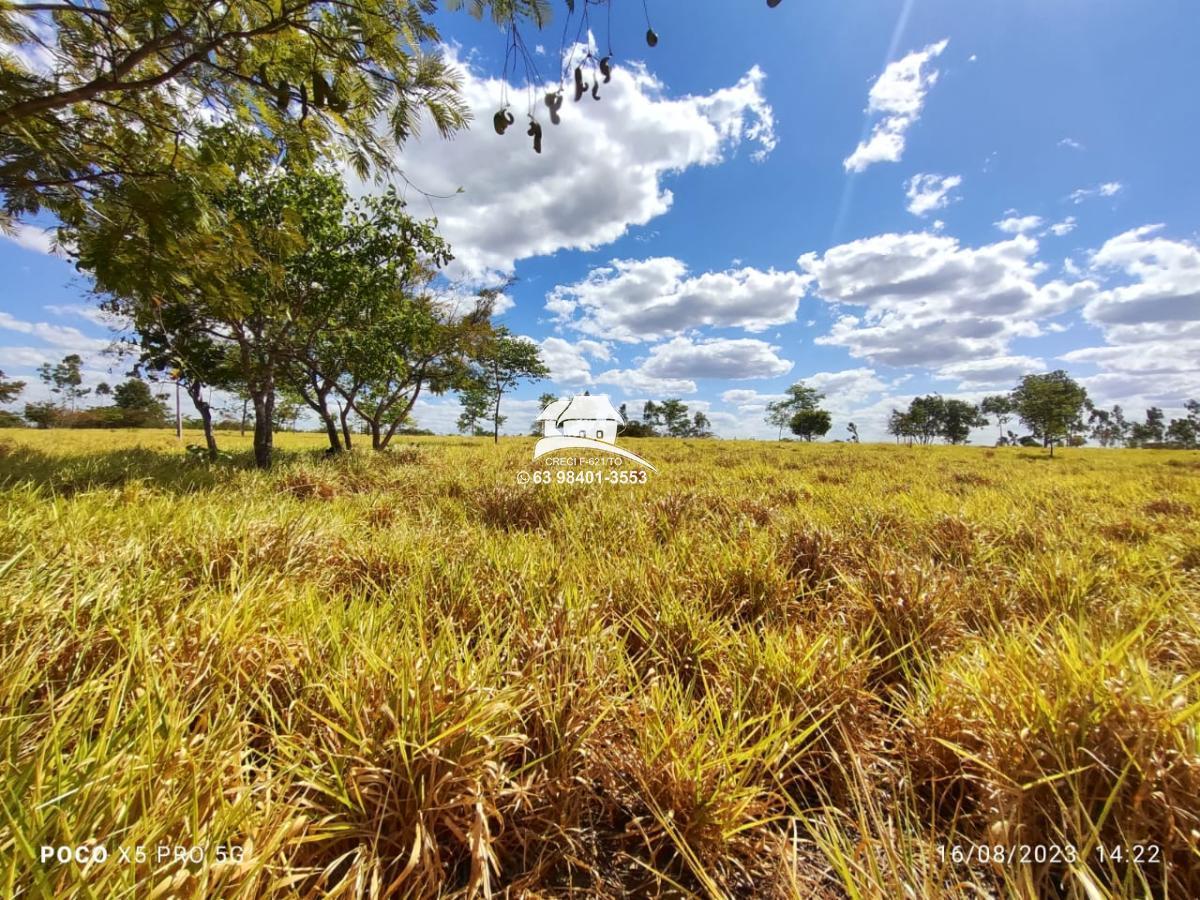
[774, 670]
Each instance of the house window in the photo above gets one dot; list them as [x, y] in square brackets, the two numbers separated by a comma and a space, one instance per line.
[582, 433]
[599, 434]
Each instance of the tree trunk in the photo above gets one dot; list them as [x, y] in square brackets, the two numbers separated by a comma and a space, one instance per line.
[331, 429]
[344, 416]
[264, 414]
[195, 391]
[496, 420]
[343, 413]
[245, 404]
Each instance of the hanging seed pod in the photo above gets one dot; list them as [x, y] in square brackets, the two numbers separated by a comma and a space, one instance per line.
[283, 95]
[606, 69]
[320, 90]
[535, 132]
[651, 37]
[596, 91]
[262, 75]
[554, 102]
[303, 102]
[501, 120]
[580, 84]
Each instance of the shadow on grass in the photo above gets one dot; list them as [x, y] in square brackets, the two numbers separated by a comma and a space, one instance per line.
[66, 474]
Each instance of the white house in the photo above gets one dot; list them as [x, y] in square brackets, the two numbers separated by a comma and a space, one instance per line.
[583, 416]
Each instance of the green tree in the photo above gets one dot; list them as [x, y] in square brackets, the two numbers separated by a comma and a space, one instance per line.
[476, 403]
[958, 417]
[43, 415]
[852, 430]
[1107, 427]
[999, 406]
[1152, 431]
[900, 425]
[122, 88]
[808, 424]
[796, 398]
[65, 379]
[502, 362]
[137, 404]
[673, 414]
[10, 390]
[1051, 406]
[287, 409]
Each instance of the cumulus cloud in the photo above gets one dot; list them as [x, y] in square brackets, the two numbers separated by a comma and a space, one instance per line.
[847, 388]
[1107, 189]
[1070, 144]
[31, 237]
[715, 358]
[1014, 224]
[62, 336]
[648, 299]
[927, 300]
[1165, 284]
[637, 381]
[927, 193]
[994, 372]
[898, 95]
[674, 367]
[1151, 323]
[601, 172]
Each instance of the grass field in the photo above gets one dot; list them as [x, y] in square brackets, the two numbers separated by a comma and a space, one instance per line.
[775, 670]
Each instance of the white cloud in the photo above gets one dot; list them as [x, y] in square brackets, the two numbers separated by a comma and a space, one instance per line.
[995, 372]
[1107, 189]
[565, 361]
[31, 237]
[1166, 280]
[1019, 224]
[93, 314]
[639, 300]
[738, 358]
[1151, 324]
[601, 170]
[1065, 227]
[846, 389]
[745, 399]
[929, 192]
[899, 95]
[637, 382]
[673, 367]
[64, 336]
[1070, 144]
[926, 300]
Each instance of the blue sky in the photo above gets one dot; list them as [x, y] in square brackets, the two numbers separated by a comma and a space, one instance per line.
[881, 197]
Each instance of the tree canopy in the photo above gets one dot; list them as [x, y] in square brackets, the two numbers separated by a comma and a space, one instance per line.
[120, 89]
[1051, 406]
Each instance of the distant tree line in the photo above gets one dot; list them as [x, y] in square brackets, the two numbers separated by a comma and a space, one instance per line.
[1054, 408]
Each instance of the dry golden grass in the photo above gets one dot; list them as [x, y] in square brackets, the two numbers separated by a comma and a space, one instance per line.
[775, 670]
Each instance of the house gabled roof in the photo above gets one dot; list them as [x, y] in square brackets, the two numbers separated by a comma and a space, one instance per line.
[591, 407]
[552, 412]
